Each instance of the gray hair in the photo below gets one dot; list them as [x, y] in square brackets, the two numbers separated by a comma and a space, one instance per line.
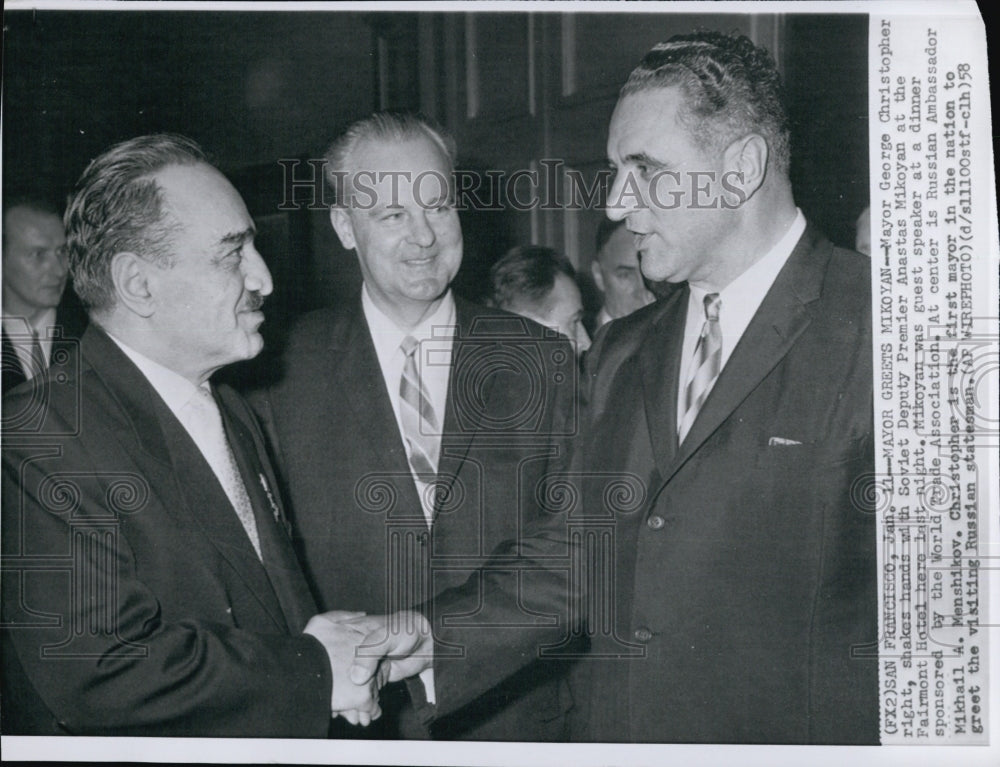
[117, 207]
[382, 127]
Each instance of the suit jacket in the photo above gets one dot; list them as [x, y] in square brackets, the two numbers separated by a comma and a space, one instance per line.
[70, 321]
[744, 597]
[133, 601]
[357, 519]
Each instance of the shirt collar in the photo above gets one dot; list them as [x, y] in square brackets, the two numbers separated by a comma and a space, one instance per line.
[387, 336]
[19, 326]
[750, 287]
[175, 390]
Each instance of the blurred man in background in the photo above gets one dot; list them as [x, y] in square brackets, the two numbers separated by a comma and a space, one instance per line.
[538, 283]
[37, 316]
[616, 272]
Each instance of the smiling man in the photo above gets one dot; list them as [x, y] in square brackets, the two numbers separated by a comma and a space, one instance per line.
[414, 429]
[740, 602]
[139, 516]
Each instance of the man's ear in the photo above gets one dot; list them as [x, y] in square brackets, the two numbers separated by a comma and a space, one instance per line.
[130, 277]
[342, 225]
[597, 274]
[746, 168]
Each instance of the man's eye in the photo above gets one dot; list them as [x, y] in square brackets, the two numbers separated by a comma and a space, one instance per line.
[393, 215]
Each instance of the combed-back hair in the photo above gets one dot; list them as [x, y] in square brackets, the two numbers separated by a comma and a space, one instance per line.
[117, 207]
[731, 88]
[387, 126]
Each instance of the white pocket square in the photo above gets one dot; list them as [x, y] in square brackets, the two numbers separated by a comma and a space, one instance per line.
[782, 441]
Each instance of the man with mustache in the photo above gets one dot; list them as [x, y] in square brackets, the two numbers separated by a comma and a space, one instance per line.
[150, 587]
[414, 429]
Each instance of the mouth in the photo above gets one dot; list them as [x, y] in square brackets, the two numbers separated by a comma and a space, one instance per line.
[420, 261]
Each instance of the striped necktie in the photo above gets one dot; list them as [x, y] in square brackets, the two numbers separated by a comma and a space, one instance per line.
[705, 367]
[417, 414]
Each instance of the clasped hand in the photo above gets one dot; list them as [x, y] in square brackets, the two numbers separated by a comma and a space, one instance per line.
[366, 652]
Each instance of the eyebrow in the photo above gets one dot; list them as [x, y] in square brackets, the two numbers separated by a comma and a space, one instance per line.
[641, 158]
[238, 238]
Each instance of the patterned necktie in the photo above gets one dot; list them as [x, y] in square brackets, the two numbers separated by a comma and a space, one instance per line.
[705, 367]
[419, 421]
[205, 421]
[420, 424]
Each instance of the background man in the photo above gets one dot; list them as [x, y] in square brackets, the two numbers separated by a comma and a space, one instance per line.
[35, 318]
[538, 283]
[414, 429]
[743, 401]
[181, 610]
[615, 270]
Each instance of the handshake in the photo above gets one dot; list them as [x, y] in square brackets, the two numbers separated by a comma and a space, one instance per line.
[366, 652]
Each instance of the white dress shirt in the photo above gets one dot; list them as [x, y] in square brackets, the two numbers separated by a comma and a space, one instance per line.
[19, 332]
[435, 336]
[740, 301]
[181, 396]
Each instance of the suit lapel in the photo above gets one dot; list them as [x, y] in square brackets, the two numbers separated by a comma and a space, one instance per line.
[459, 433]
[356, 375]
[772, 332]
[280, 563]
[660, 363]
[162, 437]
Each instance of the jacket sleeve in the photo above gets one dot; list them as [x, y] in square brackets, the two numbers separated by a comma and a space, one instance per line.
[91, 638]
[523, 606]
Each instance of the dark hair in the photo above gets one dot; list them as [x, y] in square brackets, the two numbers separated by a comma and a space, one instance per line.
[37, 203]
[386, 127]
[526, 273]
[731, 88]
[605, 229]
[117, 207]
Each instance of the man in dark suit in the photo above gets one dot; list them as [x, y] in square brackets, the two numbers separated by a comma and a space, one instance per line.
[413, 429]
[40, 322]
[149, 583]
[743, 602]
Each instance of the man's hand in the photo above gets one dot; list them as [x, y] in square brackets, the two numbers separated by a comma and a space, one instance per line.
[398, 646]
[340, 636]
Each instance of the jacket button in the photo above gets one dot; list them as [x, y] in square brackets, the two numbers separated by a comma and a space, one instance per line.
[643, 634]
[655, 522]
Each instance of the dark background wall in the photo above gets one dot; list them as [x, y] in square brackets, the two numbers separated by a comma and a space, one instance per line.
[515, 88]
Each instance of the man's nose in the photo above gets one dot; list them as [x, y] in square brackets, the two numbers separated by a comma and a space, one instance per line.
[56, 260]
[421, 232]
[256, 276]
[622, 196]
